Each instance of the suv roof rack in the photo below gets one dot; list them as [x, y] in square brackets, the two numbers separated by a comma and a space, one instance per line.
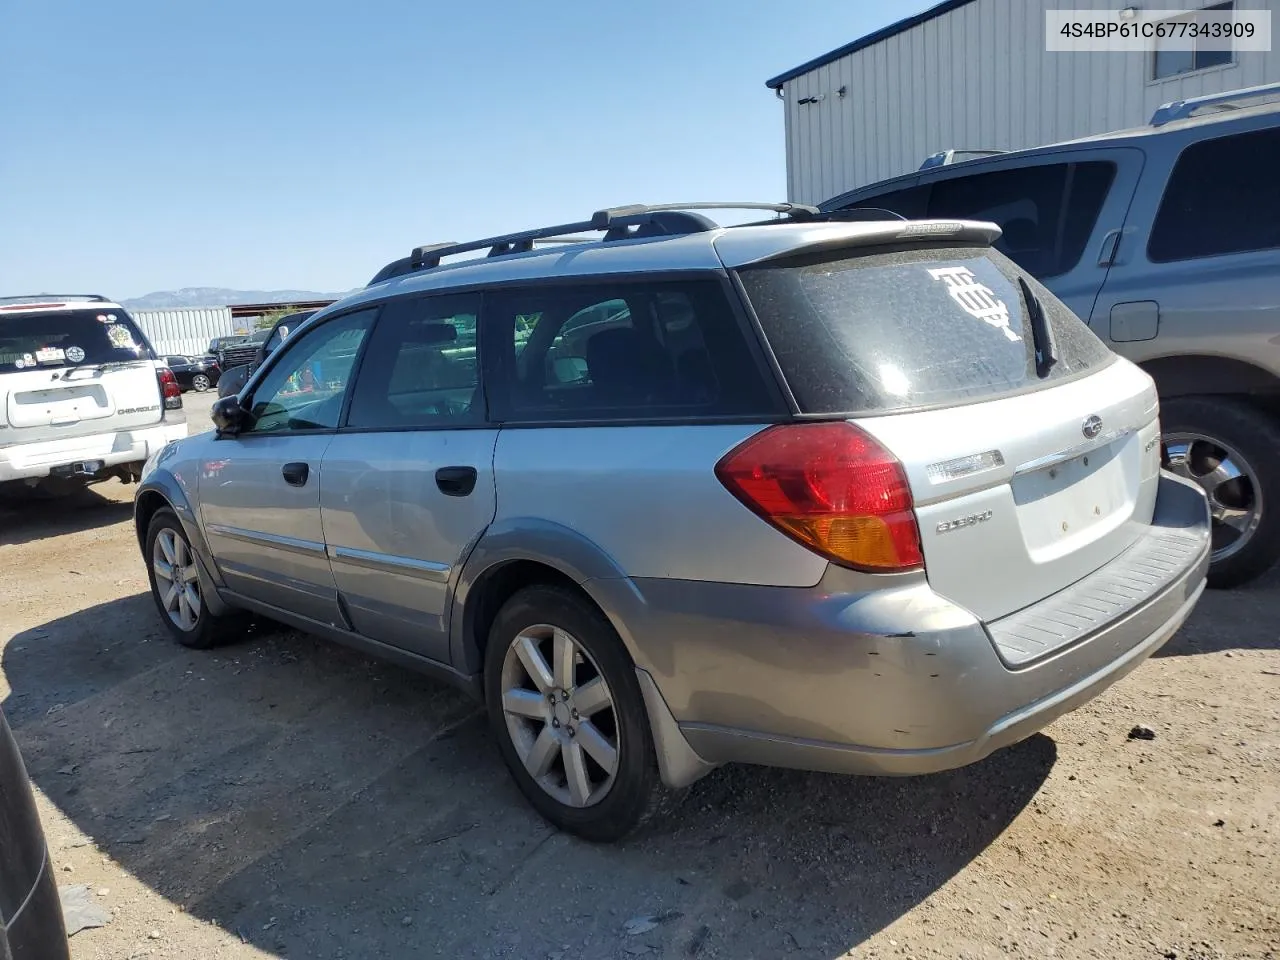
[945, 158]
[618, 223]
[1227, 100]
[54, 298]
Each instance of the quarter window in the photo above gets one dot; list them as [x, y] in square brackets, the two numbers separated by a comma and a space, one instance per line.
[305, 389]
[622, 351]
[421, 366]
[1221, 198]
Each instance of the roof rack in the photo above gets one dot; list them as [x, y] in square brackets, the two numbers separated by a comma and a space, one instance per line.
[54, 298]
[944, 158]
[617, 223]
[1227, 100]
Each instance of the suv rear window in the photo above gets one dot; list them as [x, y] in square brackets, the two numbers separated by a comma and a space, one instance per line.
[61, 338]
[909, 328]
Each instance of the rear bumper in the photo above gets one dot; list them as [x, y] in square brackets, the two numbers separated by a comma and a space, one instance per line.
[21, 461]
[898, 680]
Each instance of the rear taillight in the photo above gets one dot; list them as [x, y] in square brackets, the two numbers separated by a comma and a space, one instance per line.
[831, 487]
[169, 385]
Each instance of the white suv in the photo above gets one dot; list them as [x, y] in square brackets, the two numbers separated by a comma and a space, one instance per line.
[82, 396]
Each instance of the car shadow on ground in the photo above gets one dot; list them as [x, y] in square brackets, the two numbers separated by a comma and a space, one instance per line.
[25, 517]
[1242, 618]
[318, 803]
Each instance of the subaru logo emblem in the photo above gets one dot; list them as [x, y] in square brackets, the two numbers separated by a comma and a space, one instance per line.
[1092, 427]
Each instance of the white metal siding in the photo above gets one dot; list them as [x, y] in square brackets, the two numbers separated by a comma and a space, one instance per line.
[185, 332]
[978, 77]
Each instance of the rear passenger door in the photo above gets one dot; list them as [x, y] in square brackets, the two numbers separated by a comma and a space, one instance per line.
[1196, 272]
[407, 486]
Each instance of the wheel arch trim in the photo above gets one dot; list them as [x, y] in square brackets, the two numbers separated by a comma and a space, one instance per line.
[164, 485]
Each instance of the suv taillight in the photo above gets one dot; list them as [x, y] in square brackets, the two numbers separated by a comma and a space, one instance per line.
[169, 389]
[169, 384]
[831, 487]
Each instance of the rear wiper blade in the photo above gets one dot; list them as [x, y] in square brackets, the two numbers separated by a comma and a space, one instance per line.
[1042, 338]
[97, 366]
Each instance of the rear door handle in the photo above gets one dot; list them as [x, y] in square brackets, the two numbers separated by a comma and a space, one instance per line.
[456, 481]
[295, 474]
[1110, 247]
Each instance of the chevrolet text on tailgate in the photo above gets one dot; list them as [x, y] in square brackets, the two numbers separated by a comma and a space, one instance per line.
[81, 396]
[822, 492]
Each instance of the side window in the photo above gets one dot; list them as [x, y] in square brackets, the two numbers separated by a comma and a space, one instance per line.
[421, 366]
[621, 351]
[1221, 198]
[175, 361]
[1047, 212]
[304, 390]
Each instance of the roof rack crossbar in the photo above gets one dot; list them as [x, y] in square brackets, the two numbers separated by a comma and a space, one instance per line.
[54, 298]
[623, 222]
[1182, 109]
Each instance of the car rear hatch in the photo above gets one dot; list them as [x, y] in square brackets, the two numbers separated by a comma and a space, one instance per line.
[69, 373]
[1031, 452]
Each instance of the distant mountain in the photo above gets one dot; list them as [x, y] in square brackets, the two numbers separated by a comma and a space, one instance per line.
[219, 297]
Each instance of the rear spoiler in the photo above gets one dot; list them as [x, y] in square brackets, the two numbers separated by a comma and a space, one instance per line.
[751, 246]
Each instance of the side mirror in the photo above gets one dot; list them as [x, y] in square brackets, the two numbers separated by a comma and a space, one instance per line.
[232, 381]
[228, 416]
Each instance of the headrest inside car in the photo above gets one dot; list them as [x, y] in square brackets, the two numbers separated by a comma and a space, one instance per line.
[431, 333]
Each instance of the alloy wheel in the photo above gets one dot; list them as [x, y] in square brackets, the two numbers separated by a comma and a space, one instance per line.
[177, 579]
[1229, 482]
[200, 382]
[560, 715]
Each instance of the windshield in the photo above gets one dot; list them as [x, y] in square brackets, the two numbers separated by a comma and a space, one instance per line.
[62, 338]
[911, 328]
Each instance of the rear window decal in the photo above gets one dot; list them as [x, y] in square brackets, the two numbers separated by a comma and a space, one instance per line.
[120, 337]
[75, 354]
[49, 355]
[977, 299]
[20, 363]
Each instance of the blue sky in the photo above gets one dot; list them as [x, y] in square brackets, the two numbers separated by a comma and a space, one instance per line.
[267, 144]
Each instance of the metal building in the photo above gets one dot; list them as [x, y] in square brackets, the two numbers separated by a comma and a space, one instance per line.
[975, 74]
[187, 331]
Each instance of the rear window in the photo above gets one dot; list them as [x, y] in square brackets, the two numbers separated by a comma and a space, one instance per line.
[909, 328]
[62, 338]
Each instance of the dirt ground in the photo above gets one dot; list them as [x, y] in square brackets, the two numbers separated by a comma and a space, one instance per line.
[287, 797]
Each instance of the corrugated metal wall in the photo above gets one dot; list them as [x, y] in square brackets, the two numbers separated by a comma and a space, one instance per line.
[978, 77]
[188, 331]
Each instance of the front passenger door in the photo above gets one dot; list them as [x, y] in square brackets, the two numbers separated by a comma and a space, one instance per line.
[260, 490]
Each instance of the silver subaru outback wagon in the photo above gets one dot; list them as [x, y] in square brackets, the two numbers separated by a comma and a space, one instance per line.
[849, 496]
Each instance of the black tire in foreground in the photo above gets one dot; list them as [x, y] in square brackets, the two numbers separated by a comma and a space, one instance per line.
[566, 707]
[1232, 450]
[176, 587]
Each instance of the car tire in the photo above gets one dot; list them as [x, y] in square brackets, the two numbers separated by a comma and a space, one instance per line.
[1209, 438]
[200, 383]
[184, 611]
[540, 746]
